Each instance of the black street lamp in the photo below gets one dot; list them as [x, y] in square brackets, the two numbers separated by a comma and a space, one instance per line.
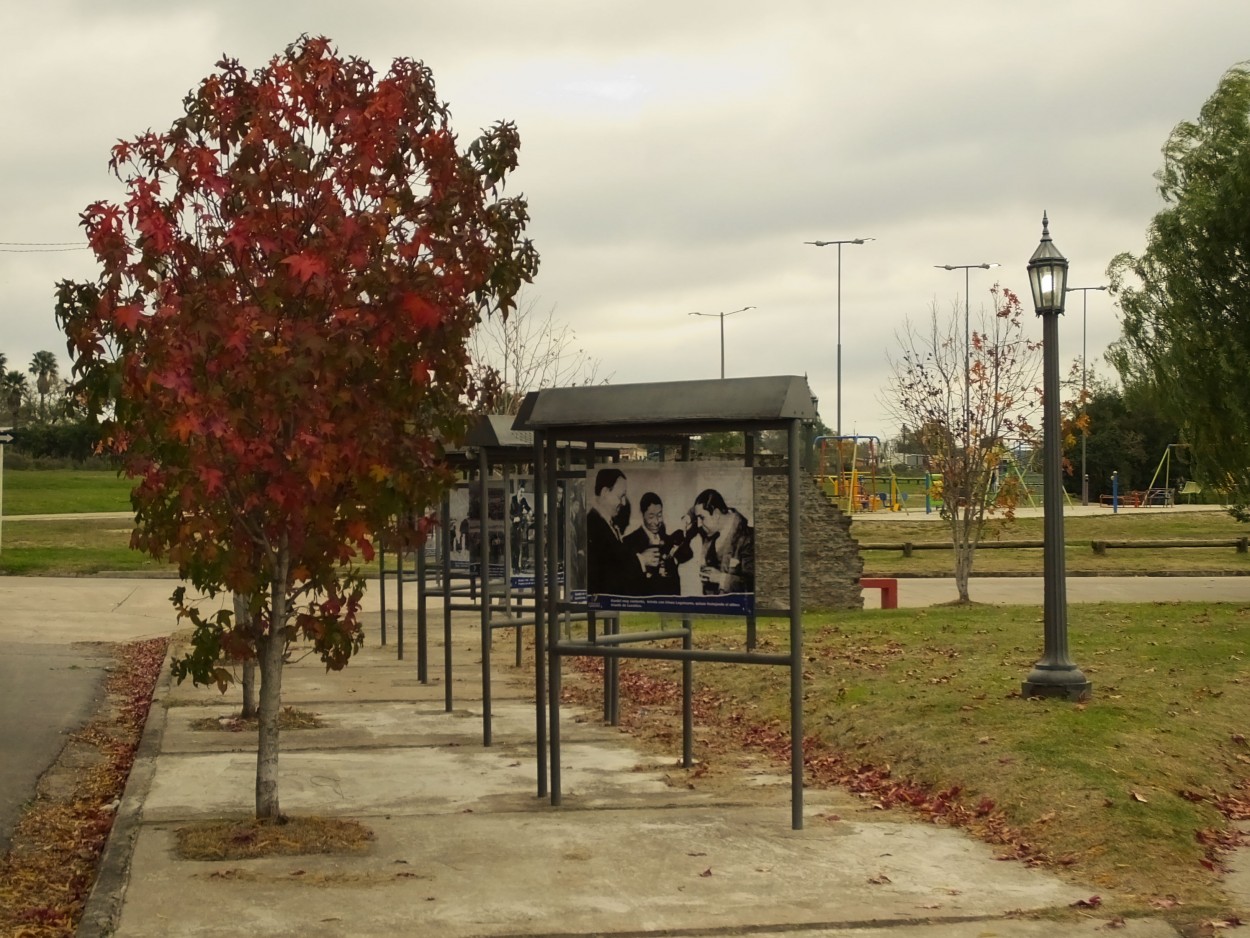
[722, 332]
[1084, 291]
[824, 244]
[1054, 675]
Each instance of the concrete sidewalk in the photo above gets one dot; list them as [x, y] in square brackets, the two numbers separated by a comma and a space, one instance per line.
[464, 845]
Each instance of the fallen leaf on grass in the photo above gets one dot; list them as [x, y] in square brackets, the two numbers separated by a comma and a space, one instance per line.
[707, 872]
[1092, 902]
[1137, 796]
[879, 880]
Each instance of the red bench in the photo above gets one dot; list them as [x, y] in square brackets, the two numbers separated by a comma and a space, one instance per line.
[888, 587]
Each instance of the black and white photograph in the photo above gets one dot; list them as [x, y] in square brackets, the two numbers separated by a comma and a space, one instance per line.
[676, 538]
[465, 503]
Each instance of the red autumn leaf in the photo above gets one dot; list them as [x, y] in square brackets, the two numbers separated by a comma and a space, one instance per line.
[128, 316]
[422, 313]
[1092, 902]
[304, 267]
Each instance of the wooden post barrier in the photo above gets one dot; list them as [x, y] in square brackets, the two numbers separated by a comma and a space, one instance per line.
[1242, 544]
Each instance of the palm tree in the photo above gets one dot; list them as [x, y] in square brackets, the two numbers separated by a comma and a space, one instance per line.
[12, 390]
[44, 367]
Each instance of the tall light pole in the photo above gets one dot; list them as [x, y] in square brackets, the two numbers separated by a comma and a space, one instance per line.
[967, 333]
[821, 244]
[1084, 291]
[722, 331]
[1054, 675]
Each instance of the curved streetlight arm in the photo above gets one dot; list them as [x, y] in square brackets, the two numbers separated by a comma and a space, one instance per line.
[967, 328]
[839, 243]
[721, 317]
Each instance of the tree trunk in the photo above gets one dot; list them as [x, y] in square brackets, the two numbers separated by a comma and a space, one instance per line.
[251, 708]
[271, 650]
[243, 616]
[964, 553]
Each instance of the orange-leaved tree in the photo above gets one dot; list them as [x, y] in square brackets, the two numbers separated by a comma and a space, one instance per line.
[278, 333]
[972, 401]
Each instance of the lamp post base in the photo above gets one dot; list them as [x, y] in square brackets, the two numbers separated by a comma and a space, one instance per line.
[1068, 683]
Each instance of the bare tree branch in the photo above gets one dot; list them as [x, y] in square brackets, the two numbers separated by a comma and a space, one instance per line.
[967, 422]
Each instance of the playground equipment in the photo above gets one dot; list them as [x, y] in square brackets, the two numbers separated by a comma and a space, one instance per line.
[1006, 475]
[1154, 494]
[1164, 495]
[845, 482]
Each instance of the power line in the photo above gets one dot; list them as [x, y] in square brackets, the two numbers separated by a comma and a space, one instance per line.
[4, 250]
[31, 244]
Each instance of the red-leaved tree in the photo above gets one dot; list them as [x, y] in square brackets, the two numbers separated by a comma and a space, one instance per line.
[279, 336]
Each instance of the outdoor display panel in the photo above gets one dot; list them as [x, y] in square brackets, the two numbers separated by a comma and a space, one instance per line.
[670, 538]
[465, 502]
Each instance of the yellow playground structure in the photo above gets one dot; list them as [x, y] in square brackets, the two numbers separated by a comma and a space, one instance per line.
[851, 476]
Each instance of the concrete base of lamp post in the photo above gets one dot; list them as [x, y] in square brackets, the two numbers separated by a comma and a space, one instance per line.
[1067, 683]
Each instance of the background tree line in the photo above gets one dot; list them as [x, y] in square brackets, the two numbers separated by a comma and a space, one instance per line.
[49, 424]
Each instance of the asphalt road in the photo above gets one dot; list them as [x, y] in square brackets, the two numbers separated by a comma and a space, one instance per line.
[49, 691]
[56, 633]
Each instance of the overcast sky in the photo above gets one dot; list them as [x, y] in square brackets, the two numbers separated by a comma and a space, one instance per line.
[676, 155]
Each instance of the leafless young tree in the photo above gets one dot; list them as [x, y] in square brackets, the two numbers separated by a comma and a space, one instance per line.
[968, 401]
[527, 351]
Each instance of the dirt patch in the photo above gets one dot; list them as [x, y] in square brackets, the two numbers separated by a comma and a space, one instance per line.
[287, 837]
[288, 719]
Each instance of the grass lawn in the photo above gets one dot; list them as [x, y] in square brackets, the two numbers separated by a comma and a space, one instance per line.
[72, 547]
[1133, 791]
[62, 491]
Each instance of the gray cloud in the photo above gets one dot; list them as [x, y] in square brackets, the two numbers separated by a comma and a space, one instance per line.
[676, 156]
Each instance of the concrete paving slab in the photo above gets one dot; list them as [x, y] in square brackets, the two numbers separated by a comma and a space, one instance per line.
[594, 872]
[466, 846]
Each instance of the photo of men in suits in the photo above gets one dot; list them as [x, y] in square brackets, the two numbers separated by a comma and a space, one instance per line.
[689, 547]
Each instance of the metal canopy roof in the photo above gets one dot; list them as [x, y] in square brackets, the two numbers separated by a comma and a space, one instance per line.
[495, 430]
[667, 408]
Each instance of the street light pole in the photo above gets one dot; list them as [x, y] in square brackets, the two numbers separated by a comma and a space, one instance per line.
[1084, 291]
[722, 332]
[821, 244]
[967, 333]
[1054, 675]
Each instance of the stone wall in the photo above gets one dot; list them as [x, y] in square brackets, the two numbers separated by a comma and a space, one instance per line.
[831, 563]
